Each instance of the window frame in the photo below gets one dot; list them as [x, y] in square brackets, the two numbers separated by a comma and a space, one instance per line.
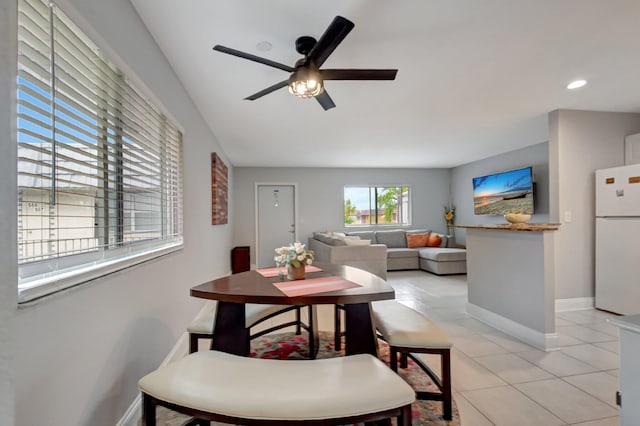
[44, 277]
[370, 188]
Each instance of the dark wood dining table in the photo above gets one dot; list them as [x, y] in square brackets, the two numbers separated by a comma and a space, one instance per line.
[231, 335]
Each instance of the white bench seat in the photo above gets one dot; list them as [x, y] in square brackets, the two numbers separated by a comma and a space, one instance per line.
[214, 385]
[407, 332]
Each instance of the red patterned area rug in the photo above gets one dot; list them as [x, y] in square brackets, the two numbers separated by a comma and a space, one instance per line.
[290, 346]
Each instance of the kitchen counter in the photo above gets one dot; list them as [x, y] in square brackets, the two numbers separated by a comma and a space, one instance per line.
[522, 227]
[510, 279]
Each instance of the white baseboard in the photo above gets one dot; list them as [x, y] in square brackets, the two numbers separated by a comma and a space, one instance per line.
[538, 339]
[134, 412]
[575, 304]
[180, 349]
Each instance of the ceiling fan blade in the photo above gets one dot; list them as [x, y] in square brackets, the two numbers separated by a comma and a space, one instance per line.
[253, 58]
[356, 74]
[268, 90]
[332, 37]
[325, 100]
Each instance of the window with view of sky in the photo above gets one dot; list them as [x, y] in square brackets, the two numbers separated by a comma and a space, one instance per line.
[376, 205]
[99, 164]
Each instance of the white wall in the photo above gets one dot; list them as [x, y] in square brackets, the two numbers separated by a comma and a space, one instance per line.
[581, 142]
[320, 192]
[77, 356]
[8, 230]
[462, 186]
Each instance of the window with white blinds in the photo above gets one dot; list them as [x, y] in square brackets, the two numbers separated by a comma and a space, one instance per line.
[99, 165]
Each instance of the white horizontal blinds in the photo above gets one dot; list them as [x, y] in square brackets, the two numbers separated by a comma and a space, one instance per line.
[35, 130]
[109, 162]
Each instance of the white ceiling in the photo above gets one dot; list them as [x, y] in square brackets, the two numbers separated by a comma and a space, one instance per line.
[475, 77]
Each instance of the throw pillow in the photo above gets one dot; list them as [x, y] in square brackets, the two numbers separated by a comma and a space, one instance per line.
[434, 240]
[417, 240]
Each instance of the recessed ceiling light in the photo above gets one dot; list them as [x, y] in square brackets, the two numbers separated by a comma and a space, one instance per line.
[263, 46]
[576, 84]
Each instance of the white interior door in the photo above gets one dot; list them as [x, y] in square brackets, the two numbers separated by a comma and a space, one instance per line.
[276, 220]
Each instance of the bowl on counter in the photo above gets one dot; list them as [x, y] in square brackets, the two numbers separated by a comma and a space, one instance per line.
[517, 218]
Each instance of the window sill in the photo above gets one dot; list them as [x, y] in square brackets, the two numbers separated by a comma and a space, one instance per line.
[40, 286]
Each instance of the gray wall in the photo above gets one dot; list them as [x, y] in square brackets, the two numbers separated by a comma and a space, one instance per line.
[518, 266]
[8, 195]
[462, 187]
[581, 142]
[77, 356]
[320, 192]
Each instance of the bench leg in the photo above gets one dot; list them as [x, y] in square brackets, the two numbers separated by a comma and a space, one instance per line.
[405, 416]
[404, 360]
[193, 343]
[443, 382]
[446, 384]
[393, 358]
[148, 411]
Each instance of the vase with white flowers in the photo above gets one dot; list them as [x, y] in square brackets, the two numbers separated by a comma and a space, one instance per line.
[294, 257]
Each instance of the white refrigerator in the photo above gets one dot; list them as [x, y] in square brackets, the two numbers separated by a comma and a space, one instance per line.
[618, 239]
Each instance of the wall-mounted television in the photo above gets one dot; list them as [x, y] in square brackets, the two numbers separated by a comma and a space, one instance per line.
[510, 191]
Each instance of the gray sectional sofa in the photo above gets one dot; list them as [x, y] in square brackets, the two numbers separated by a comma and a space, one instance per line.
[340, 248]
[330, 249]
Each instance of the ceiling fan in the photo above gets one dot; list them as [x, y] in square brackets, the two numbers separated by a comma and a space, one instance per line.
[307, 79]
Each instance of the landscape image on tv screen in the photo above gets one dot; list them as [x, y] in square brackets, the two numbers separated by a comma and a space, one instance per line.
[502, 193]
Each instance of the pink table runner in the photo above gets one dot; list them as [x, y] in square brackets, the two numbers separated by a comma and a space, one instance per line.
[314, 285]
[274, 272]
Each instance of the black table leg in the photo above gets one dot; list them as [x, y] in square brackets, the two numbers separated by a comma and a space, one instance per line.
[230, 333]
[360, 332]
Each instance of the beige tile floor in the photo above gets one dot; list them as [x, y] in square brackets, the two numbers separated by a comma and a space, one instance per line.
[498, 380]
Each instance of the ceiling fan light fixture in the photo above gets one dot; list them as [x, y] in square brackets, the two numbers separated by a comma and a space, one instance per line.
[306, 88]
[305, 84]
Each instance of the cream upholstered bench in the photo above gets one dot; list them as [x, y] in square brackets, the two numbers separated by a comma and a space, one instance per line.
[216, 386]
[202, 325]
[407, 332]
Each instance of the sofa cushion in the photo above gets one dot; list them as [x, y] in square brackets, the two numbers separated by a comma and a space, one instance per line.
[401, 252]
[442, 254]
[417, 240]
[329, 239]
[355, 241]
[395, 238]
[364, 235]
